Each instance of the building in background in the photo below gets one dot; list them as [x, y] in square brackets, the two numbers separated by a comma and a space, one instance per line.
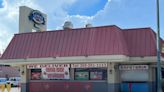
[7, 73]
[91, 59]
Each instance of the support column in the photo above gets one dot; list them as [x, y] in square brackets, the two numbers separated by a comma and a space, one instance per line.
[151, 79]
[113, 78]
[72, 74]
[23, 73]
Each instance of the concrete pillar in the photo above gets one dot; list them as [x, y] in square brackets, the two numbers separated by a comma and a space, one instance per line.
[113, 78]
[152, 78]
[150, 71]
[72, 74]
[23, 73]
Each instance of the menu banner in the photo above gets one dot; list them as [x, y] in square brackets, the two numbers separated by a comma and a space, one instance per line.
[55, 73]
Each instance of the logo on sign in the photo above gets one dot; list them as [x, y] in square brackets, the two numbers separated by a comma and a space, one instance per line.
[37, 17]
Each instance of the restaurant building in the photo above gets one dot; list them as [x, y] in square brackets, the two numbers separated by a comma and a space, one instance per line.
[89, 59]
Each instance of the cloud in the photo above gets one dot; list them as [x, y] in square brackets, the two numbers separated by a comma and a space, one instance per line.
[9, 20]
[5, 37]
[55, 9]
[80, 21]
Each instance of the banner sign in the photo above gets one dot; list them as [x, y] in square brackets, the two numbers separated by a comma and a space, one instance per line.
[39, 66]
[89, 65]
[133, 67]
[55, 73]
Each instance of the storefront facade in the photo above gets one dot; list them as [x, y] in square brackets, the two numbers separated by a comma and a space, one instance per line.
[91, 77]
[82, 78]
[110, 75]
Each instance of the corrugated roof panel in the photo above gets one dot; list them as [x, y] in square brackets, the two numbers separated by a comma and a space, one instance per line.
[85, 38]
[36, 45]
[79, 43]
[64, 43]
[97, 43]
[102, 41]
[75, 43]
[43, 45]
[20, 45]
[52, 43]
[72, 43]
[68, 43]
[140, 42]
[148, 50]
[60, 48]
[27, 45]
[120, 47]
[10, 52]
[153, 43]
[56, 44]
[48, 45]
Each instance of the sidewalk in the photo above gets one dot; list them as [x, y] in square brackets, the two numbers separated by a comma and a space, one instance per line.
[14, 89]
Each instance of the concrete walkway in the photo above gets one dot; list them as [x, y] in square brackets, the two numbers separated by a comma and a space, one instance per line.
[15, 89]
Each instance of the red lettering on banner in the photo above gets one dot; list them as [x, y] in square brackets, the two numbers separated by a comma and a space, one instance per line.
[52, 76]
[50, 69]
[59, 69]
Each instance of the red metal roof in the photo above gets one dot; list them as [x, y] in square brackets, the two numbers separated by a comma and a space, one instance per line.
[140, 42]
[106, 40]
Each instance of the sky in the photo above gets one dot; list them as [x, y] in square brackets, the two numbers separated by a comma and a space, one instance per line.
[123, 13]
[1, 5]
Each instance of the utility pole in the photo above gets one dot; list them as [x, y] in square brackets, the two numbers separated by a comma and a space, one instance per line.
[158, 49]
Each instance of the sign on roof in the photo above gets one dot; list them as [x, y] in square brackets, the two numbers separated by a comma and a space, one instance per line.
[37, 17]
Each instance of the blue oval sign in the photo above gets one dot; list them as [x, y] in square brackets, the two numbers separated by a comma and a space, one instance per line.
[37, 17]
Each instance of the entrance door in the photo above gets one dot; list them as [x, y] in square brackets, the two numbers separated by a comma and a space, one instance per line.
[134, 87]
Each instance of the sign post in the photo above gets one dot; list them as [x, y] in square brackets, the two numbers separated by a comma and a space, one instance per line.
[158, 50]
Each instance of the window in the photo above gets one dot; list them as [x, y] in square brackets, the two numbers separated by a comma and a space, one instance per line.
[90, 74]
[95, 75]
[82, 75]
[35, 74]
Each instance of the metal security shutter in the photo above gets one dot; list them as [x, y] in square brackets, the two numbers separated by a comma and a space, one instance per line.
[136, 75]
